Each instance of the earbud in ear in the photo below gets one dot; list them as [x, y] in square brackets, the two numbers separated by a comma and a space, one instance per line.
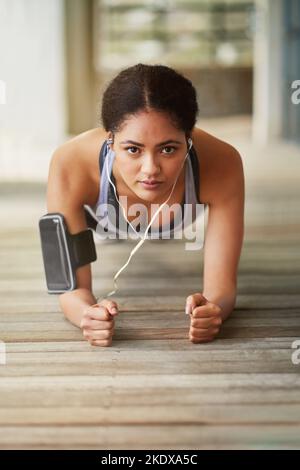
[110, 140]
[190, 141]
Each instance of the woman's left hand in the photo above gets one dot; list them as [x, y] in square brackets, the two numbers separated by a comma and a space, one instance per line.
[206, 318]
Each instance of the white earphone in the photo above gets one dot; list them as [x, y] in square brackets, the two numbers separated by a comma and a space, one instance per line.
[139, 244]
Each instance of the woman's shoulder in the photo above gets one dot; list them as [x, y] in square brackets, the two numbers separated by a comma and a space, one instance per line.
[210, 143]
[83, 145]
[77, 160]
[219, 162]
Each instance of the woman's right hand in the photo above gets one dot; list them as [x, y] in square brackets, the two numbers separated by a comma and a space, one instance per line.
[97, 323]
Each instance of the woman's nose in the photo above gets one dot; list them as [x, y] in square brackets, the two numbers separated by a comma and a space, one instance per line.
[150, 165]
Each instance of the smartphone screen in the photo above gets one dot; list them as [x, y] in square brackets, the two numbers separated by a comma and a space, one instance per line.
[57, 264]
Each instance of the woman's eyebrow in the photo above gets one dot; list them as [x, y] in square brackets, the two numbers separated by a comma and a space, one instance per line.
[157, 145]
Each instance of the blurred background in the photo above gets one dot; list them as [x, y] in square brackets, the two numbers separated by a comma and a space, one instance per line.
[242, 56]
[56, 58]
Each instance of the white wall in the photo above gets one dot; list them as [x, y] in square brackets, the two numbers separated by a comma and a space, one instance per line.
[32, 58]
[267, 105]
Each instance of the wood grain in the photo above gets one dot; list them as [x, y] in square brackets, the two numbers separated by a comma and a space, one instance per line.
[153, 388]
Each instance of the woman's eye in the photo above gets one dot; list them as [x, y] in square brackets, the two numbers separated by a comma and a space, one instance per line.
[169, 147]
[135, 148]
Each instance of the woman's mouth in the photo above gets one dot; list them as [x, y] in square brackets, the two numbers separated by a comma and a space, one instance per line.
[150, 185]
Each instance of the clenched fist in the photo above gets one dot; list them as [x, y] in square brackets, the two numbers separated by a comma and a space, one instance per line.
[97, 323]
[205, 316]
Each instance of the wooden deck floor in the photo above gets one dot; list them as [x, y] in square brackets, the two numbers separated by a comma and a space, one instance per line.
[152, 388]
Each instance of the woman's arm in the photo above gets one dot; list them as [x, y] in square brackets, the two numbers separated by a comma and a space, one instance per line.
[222, 248]
[224, 237]
[67, 190]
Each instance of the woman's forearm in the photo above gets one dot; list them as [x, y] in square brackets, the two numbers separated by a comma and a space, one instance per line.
[74, 302]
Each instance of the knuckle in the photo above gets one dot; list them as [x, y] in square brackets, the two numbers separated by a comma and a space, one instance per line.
[107, 315]
[86, 334]
[206, 339]
[106, 334]
[200, 339]
[192, 331]
[193, 339]
[195, 311]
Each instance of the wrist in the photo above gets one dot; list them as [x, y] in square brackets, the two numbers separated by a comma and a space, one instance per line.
[75, 303]
[226, 302]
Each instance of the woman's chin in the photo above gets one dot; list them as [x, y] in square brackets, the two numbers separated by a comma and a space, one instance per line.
[150, 196]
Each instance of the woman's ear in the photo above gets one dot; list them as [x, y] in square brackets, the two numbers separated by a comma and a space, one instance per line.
[189, 141]
[110, 139]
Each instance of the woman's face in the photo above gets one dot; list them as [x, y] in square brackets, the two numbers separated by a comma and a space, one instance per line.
[149, 147]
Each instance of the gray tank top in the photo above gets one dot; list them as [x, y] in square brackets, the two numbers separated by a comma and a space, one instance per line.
[107, 195]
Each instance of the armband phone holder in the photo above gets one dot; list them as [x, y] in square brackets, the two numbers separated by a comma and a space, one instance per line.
[63, 252]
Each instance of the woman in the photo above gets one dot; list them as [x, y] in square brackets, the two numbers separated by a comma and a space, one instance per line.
[155, 108]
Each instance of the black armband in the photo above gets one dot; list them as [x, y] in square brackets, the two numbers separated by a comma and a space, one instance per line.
[63, 252]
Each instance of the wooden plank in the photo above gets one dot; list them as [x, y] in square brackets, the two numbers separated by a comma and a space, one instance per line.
[158, 344]
[159, 320]
[65, 396]
[151, 437]
[257, 262]
[71, 333]
[258, 364]
[238, 316]
[160, 285]
[164, 415]
[180, 381]
[108, 355]
[49, 303]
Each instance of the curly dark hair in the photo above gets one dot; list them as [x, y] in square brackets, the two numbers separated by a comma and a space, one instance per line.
[144, 87]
